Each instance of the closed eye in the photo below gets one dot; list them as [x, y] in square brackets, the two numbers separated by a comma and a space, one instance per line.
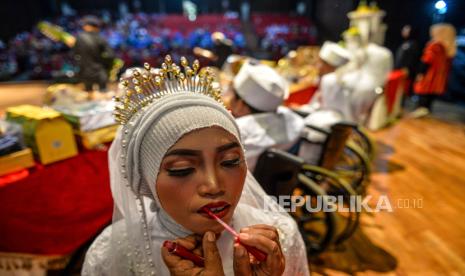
[231, 163]
[180, 172]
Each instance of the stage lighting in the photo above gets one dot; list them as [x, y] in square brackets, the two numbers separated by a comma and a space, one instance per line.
[441, 7]
[190, 10]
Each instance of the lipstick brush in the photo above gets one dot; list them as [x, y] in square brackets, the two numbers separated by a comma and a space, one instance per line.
[258, 254]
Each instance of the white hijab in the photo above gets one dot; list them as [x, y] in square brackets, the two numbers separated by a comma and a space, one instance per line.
[131, 245]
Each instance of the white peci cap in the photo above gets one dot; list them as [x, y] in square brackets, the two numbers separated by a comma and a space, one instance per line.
[334, 54]
[260, 86]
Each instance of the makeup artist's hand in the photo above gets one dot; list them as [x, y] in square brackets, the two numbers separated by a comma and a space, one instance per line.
[205, 247]
[265, 238]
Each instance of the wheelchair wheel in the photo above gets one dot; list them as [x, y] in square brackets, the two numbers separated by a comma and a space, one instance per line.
[318, 228]
[360, 137]
[333, 185]
[354, 167]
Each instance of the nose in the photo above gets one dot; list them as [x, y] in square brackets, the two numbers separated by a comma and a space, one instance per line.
[211, 185]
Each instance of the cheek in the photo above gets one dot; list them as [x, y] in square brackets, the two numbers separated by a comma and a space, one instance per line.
[234, 183]
[233, 105]
[174, 196]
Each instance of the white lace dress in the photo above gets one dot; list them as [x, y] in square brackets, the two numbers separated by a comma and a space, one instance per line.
[99, 258]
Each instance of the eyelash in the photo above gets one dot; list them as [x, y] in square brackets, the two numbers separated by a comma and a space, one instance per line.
[231, 163]
[185, 172]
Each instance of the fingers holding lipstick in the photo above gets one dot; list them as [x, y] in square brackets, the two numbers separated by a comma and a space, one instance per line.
[263, 230]
[241, 261]
[190, 242]
[261, 241]
[206, 246]
[213, 263]
[266, 239]
[175, 264]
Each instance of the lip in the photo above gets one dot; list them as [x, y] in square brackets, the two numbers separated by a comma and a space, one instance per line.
[218, 204]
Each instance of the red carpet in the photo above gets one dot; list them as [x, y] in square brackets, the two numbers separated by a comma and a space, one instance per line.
[58, 207]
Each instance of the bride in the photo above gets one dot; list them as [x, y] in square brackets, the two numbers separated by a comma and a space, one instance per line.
[179, 151]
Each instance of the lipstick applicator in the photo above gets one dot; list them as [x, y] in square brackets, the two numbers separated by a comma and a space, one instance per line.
[258, 254]
[181, 251]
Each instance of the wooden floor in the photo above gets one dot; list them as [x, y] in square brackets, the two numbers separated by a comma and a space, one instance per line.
[419, 161]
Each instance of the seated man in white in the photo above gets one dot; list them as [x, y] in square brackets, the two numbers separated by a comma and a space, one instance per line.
[334, 88]
[258, 93]
[332, 103]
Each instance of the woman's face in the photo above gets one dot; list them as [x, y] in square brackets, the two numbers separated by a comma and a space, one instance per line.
[205, 168]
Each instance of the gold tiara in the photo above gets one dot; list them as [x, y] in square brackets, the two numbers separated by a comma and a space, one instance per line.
[150, 85]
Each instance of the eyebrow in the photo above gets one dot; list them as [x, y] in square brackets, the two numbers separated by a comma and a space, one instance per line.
[189, 152]
[227, 147]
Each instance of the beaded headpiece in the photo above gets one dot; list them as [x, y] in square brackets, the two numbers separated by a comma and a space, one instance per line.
[150, 85]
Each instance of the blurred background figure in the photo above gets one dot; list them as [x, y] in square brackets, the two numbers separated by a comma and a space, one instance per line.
[258, 93]
[408, 54]
[334, 92]
[93, 55]
[435, 66]
[222, 48]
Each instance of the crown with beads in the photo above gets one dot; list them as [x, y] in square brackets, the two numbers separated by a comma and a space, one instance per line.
[150, 85]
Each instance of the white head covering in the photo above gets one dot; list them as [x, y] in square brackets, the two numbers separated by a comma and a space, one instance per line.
[131, 245]
[334, 54]
[260, 86]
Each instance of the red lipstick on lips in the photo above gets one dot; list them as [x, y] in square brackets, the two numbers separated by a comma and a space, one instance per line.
[181, 251]
[257, 253]
[220, 209]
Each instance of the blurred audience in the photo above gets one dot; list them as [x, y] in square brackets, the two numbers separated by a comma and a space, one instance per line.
[135, 38]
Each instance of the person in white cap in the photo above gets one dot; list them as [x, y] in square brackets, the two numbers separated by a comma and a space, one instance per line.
[331, 94]
[258, 94]
[331, 104]
[331, 57]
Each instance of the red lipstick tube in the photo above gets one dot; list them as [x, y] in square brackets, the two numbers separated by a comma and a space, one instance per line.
[181, 251]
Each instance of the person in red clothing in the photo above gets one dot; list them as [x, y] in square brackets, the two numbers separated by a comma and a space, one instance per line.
[436, 62]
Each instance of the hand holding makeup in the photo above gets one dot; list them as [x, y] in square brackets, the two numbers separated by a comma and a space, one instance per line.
[180, 262]
[259, 255]
[266, 239]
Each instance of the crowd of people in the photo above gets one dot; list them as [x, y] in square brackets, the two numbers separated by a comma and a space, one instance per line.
[135, 38]
[279, 34]
[138, 38]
